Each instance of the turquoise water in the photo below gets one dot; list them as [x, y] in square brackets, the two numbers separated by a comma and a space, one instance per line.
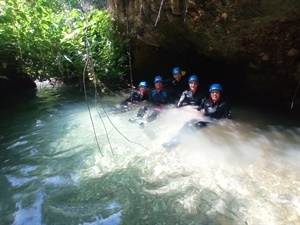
[244, 171]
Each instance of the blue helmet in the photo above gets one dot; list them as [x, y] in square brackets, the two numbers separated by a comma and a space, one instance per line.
[217, 87]
[158, 79]
[193, 78]
[143, 84]
[176, 70]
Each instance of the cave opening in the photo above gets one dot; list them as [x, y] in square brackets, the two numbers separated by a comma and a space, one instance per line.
[160, 62]
[149, 61]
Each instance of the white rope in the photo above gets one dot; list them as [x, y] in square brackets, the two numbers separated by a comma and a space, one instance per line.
[186, 10]
[158, 16]
[295, 93]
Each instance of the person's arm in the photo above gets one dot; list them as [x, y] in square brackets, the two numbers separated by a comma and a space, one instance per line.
[165, 97]
[128, 99]
[226, 110]
[145, 97]
[168, 81]
[200, 98]
[221, 111]
[202, 104]
[155, 98]
[181, 100]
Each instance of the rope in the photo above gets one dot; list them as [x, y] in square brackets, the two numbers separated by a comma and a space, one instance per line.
[131, 81]
[111, 149]
[186, 10]
[295, 93]
[97, 97]
[88, 106]
[97, 94]
[85, 95]
[121, 132]
[128, 46]
[158, 16]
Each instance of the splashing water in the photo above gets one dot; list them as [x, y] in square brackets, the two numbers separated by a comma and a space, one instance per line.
[235, 172]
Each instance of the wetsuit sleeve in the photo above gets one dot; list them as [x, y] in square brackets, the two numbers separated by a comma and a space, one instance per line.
[226, 110]
[134, 97]
[152, 96]
[165, 97]
[181, 100]
[221, 111]
[201, 98]
[201, 106]
[145, 97]
[129, 98]
[168, 81]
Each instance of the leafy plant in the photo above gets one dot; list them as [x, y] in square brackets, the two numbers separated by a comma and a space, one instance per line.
[51, 38]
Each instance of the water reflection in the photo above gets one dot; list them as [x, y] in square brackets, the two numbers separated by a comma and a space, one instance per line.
[237, 172]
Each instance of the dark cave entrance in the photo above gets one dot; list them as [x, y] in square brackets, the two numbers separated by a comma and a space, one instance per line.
[160, 62]
[149, 61]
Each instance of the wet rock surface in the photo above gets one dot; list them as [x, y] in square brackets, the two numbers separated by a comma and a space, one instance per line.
[261, 36]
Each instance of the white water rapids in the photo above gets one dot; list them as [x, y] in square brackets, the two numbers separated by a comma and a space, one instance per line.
[244, 171]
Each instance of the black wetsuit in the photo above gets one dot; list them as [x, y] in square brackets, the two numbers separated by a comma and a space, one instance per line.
[215, 110]
[136, 97]
[190, 98]
[177, 87]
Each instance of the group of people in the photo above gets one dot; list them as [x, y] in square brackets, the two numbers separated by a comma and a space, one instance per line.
[181, 92]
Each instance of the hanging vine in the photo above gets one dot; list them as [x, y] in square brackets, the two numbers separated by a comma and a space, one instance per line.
[46, 38]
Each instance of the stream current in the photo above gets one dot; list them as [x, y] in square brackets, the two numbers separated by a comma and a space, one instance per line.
[53, 170]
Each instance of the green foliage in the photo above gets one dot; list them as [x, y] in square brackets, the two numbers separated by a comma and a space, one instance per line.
[49, 38]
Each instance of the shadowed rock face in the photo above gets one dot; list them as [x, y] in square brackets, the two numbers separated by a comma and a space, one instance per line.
[262, 37]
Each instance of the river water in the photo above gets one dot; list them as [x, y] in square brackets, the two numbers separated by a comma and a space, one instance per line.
[57, 169]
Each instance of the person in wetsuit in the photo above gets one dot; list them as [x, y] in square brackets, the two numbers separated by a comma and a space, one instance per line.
[214, 108]
[138, 95]
[192, 96]
[177, 83]
[135, 97]
[158, 98]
